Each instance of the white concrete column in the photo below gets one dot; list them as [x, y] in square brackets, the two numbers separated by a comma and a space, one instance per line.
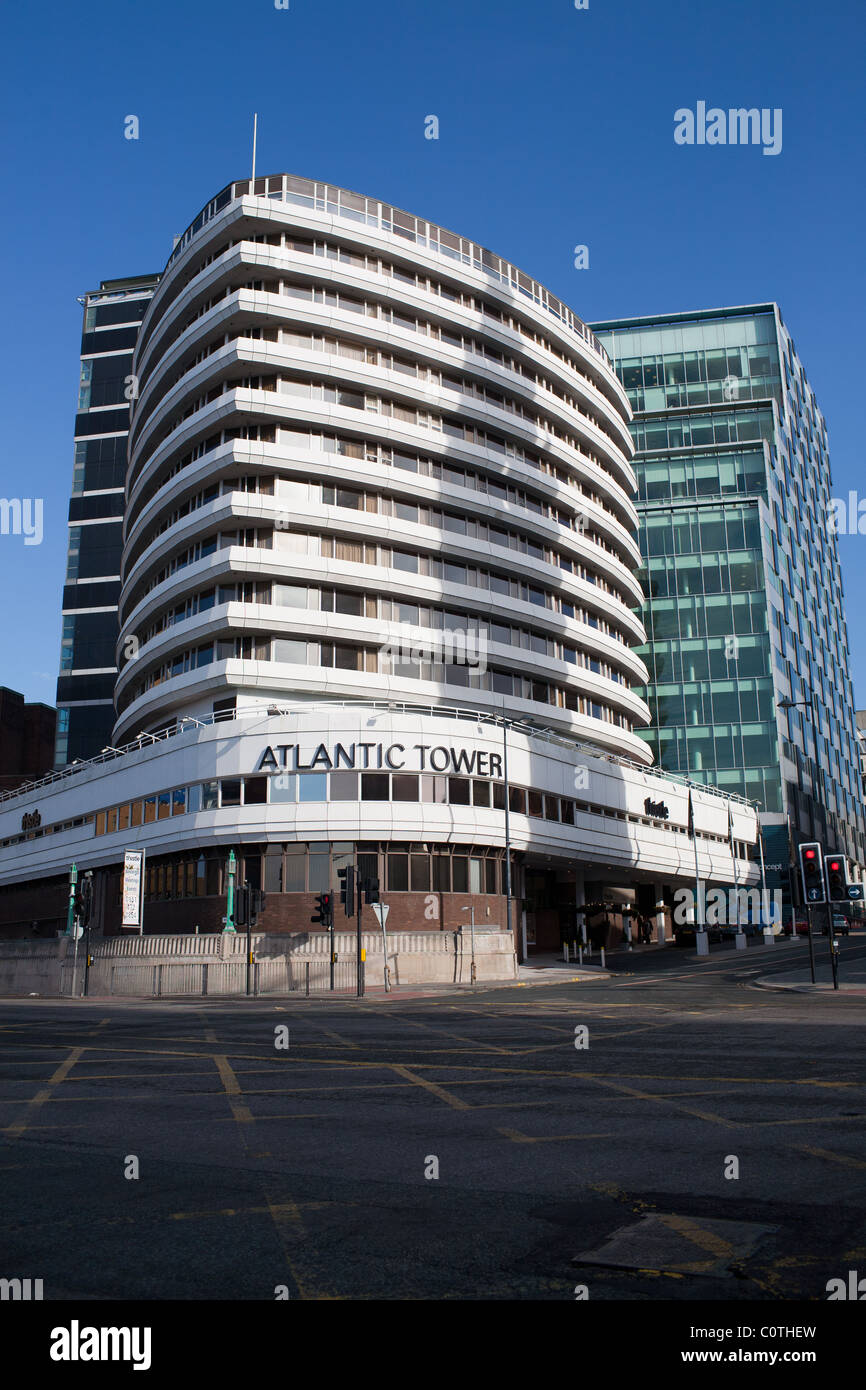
[579, 900]
[660, 913]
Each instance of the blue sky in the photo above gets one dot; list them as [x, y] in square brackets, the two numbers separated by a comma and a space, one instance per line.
[556, 129]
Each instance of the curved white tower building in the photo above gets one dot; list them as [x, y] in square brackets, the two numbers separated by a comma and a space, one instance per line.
[371, 460]
[378, 603]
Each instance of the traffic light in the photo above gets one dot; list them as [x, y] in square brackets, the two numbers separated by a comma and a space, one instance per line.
[812, 873]
[242, 905]
[324, 910]
[837, 879]
[347, 889]
[257, 905]
[371, 890]
[84, 900]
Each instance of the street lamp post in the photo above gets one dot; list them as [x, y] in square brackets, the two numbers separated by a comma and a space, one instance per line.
[230, 893]
[471, 926]
[809, 703]
[788, 704]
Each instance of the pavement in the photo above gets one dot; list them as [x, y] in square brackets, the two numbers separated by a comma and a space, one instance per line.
[852, 980]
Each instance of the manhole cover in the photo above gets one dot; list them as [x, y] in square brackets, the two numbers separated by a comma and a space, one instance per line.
[681, 1244]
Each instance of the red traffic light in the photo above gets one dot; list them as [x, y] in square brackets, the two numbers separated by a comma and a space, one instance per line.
[809, 854]
[834, 866]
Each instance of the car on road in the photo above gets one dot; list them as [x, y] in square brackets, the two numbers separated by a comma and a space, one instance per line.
[685, 936]
[841, 925]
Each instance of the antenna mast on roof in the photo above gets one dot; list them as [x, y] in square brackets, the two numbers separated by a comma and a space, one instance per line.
[255, 131]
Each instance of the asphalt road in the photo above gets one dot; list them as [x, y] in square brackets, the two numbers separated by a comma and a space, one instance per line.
[303, 1169]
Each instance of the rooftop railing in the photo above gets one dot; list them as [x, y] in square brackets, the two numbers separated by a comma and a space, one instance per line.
[341, 202]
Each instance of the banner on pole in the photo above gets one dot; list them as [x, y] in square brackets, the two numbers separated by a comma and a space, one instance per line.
[130, 895]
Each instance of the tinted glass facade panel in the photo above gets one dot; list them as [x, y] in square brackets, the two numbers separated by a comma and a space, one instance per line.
[744, 606]
[85, 698]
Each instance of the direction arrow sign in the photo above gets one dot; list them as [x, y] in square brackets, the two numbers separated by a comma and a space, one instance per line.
[855, 892]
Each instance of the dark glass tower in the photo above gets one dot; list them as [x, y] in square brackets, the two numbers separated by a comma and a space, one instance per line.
[747, 646]
[88, 670]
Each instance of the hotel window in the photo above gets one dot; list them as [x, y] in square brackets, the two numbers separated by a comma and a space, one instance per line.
[398, 873]
[434, 789]
[282, 788]
[178, 801]
[295, 870]
[460, 874]
[137, 811]
[404, 787]
[273, 869]
[441, 873]
[476, 875]
[209, 796]
[458, 791]
[517, 800]
[419, 871]
[255, 791]
[123, 819]
[375, 786]
[291, 652]
[344, 786]
[368, 863]
[319, 868]
[149, 810]
[230, 791]
[313, 786]
[213, 878]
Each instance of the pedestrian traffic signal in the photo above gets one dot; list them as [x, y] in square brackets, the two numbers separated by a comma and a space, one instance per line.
[347, 889]
[837, 879]
[812, 873]
[324, 915]
[257, 905]
[371, 890]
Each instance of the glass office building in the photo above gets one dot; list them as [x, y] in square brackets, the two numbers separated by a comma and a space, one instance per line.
[88, 670]
[743, 593]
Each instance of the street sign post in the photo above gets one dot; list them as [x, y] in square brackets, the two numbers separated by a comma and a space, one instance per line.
[381, 910]
[131, 892]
